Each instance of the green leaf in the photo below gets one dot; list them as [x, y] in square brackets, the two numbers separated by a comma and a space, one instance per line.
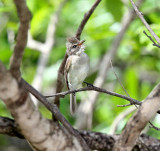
[115, 8]
[132, 82]
[40, 21]
[4, 9]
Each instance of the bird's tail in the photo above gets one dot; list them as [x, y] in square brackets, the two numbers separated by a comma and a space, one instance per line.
[73, 103]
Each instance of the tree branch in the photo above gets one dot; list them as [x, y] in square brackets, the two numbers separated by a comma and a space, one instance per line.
[55, 112]
[34, 44]
[60, 77]
[136, 124]
[103, 69]
[94, 88]
[24, 16]
[45, 48]
[49, 40]
[30, 121]
[154, 44]
[8, 126]
[119, 118]
[85, 19]
[139, 14]
[95, 140]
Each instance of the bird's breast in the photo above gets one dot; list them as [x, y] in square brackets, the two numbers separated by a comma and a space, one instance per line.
[78, 70]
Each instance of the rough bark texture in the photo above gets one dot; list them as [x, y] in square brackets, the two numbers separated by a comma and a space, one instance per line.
[95, 140]
[41, 133]
[24, 16]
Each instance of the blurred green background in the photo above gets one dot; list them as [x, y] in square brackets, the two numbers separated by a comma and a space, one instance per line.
[137, 62]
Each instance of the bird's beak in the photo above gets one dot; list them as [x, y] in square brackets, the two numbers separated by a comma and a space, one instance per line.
[81, 42]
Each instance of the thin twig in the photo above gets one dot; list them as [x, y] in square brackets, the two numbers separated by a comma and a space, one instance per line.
[119, 118]
[124, 105]
[85, 19]
[60, 81]
[118, 79]
[56, 113]
[138, 121]
[139, 14]
[91, 87]
[86, 115]
[24, 16]
[154, 44]
[94, 88]
[154, 127]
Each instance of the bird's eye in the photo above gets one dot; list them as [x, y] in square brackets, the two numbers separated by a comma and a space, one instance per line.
[74, 46]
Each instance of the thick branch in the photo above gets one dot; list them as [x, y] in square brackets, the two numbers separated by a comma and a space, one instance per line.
[24, 16]
[8, 126]
[100, 141]
[55, 112]
[60, 79]
[95, 140]
[136, 124]
[40, 132]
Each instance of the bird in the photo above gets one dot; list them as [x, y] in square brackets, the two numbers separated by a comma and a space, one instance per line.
[76, 68]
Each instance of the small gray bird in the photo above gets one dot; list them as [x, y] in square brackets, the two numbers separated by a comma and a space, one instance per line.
[76, 68]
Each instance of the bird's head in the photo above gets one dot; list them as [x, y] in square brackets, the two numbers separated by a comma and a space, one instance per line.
[74, 46]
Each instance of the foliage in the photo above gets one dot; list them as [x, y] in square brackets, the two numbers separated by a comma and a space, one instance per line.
[137, 62]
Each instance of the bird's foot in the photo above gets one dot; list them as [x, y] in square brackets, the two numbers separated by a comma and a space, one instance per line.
[88, 84]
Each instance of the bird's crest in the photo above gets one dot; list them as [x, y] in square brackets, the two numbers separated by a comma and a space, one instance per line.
[72, 40]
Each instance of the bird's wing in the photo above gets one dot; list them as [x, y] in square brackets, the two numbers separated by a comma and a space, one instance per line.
[67, 67]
